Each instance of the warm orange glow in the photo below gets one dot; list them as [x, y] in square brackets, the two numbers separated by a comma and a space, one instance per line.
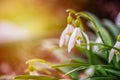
[28, 14]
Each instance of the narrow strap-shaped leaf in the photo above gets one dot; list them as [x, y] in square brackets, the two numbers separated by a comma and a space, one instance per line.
[76, 69]
[103, 78]
[78, 60]
[112, 27]
[113, 71]
[104, 33]
[26, 77]
[78, 65]
[70, 65]
[31, 61]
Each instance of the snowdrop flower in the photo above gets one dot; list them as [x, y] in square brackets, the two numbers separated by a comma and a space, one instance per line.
[96, 48]
[77, 38]
[117, 21]
[64, 38]
[90, 71]
[113, 51]
[87, 39]
[34, 73]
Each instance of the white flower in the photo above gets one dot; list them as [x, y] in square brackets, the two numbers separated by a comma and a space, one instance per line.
[117, 21]
[96, 48]
[87, 39]
[34, 73]
[113, 51]
[90, 71]
[64, 38]
[77, 38]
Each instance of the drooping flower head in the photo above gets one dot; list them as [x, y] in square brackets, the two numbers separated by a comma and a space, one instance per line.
[64, 38]
[77, 37]
[113, 51]
[73, 36]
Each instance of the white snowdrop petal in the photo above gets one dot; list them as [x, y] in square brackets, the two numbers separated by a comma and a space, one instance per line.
[71, 28]
[117, 45]
[34, 73]
[78, 42]
[78, 34]
[67, 39]
[98, 40]
[117, 20]
[63, 38]
[111, 54]
[87, 39]
[90, 71]
[72, 40]
[117, 57]
[96, 48]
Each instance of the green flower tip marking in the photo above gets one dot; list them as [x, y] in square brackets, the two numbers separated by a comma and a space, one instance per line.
[31, 68]
[77, 22]
[118, 38]
[69, 19]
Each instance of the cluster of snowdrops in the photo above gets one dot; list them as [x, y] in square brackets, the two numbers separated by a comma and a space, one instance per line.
[103, 52]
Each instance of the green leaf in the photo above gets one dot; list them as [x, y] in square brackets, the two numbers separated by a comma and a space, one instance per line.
[115, 72]
[26, 77]
[31, 61]
[78, 60]
[87, 53]
[70, 65]
[112, 27]
[83, 14]
[103, 78]
[76, 69]
[101, 70]
[106, 36]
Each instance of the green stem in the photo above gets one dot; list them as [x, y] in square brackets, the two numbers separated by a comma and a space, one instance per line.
[101, 37]
[90, 58]
[87, 16]
[85, 44]
[99, 33]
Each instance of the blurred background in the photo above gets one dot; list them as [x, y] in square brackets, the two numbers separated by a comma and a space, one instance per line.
[31, 29]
